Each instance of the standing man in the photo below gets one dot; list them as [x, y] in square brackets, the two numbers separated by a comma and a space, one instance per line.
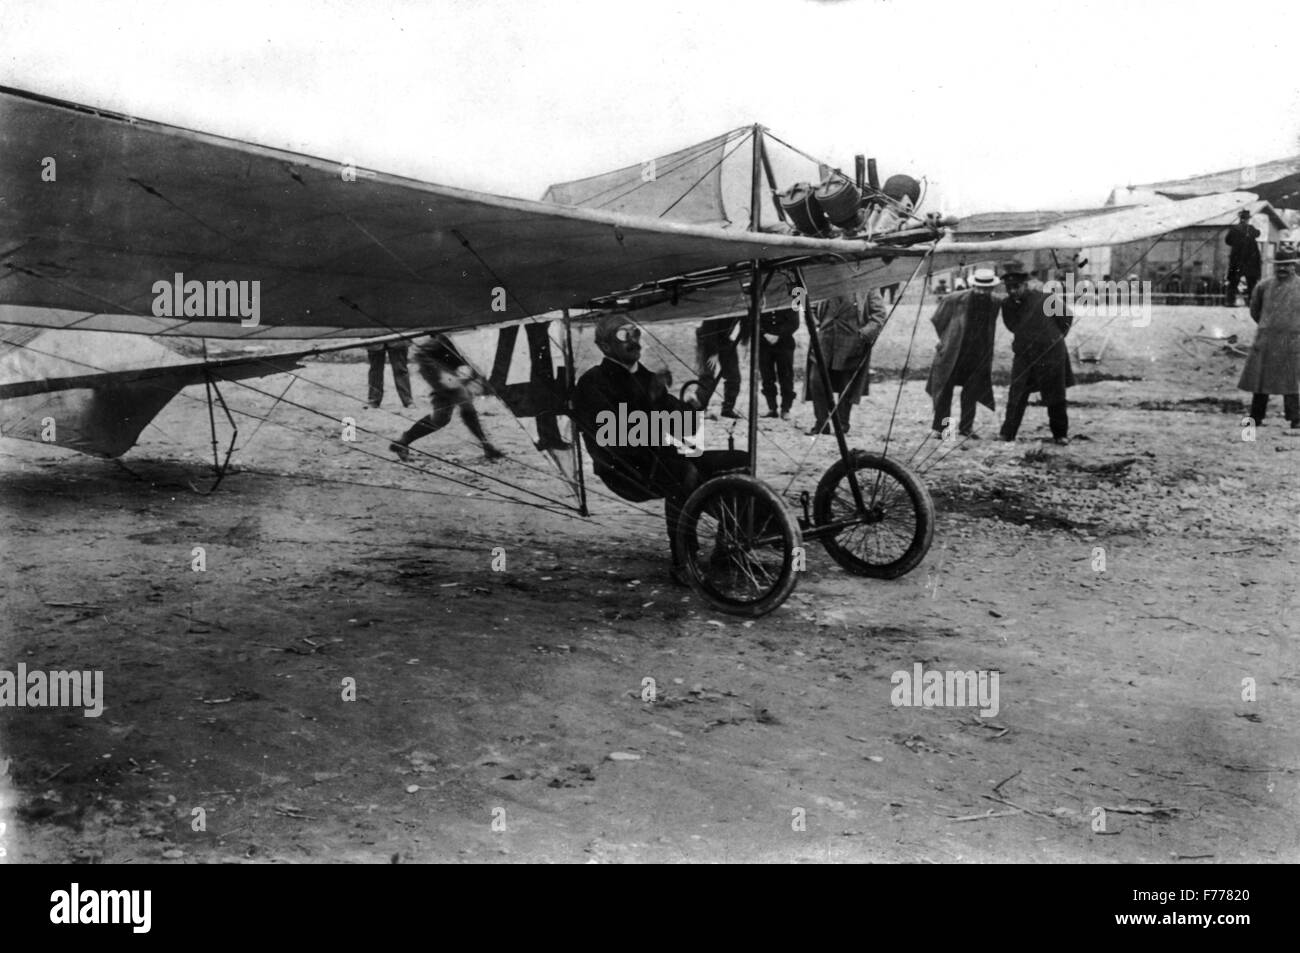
[396, 351]
[846, 333]
[1243, 259]
[717, 342]
[1039, 323]
[1273, 366]
[966, 322]
[776, 358]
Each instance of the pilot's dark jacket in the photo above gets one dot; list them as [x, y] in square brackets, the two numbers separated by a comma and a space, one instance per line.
[635, 473]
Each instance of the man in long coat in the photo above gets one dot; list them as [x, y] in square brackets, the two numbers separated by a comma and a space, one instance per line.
[1273, 366]
[846, 332]
[1243, 257]
[1039, 323]
[966, 322]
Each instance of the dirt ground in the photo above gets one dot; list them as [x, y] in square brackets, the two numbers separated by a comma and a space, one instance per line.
[499, 715]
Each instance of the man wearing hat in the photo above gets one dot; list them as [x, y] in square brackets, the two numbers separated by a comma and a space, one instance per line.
[1243, 259]
[1273, 365]
[622, 386]
[966, 322]
[1038, 322]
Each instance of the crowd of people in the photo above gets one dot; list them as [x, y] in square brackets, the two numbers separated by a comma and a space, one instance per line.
[846, 330]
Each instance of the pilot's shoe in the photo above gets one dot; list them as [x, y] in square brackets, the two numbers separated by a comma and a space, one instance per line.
[730, 413]
[677, 573]
[491, 452]
[1061, 441]
[818, 428]
[402, 450]
[785, 413]
[771, 413]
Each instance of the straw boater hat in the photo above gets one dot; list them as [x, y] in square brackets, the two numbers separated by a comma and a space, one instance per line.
[983, 278]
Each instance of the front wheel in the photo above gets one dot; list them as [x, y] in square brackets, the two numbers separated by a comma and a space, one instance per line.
[738, 545]
[891, 537]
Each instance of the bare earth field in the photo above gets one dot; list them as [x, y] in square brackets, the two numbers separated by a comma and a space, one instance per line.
[499, 715]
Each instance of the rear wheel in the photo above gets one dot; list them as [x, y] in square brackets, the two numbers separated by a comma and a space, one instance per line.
[892, 537]
[737, 542]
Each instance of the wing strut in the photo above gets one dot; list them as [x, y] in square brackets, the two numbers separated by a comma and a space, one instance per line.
[219, 469]
[571, 379]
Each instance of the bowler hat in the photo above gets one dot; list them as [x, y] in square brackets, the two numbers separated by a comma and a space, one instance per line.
[1013, 269]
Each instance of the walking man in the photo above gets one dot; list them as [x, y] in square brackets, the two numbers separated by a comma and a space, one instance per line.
[1039, 323]
[450, 378]
[966, 322]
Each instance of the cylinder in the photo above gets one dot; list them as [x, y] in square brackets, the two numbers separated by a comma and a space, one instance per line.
[802, 208]
[839, 199]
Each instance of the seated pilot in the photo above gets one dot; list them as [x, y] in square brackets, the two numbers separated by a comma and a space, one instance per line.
[620, 389]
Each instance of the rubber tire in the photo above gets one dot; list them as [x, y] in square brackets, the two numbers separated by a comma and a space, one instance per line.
[699, 572]
[922, 514]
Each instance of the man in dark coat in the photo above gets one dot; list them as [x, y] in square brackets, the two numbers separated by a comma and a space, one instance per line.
[1039, 323]
[966, 322]
[717, 343]
[1243, 258]
[1273, 365]
[619, 387]
[776, 358]
[846, 332]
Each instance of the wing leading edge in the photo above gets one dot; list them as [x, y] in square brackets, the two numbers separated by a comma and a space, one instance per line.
[334, 251]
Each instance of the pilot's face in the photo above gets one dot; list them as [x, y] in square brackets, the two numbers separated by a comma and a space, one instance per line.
[1283, 270]
[1016, 287]
[624, 345]
[981, 291]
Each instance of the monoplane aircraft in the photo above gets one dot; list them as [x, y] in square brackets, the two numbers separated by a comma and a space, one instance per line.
[116, 224]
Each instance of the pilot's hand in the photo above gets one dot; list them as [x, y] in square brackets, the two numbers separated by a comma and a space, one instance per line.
[770, 338]
[712, 364]
[869, 333]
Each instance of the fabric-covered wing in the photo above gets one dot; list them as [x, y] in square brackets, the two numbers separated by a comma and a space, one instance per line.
[60, 392]
[133, 203]
[1113, 228]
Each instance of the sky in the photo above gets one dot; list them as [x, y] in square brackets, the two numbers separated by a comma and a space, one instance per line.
[1000, 104]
